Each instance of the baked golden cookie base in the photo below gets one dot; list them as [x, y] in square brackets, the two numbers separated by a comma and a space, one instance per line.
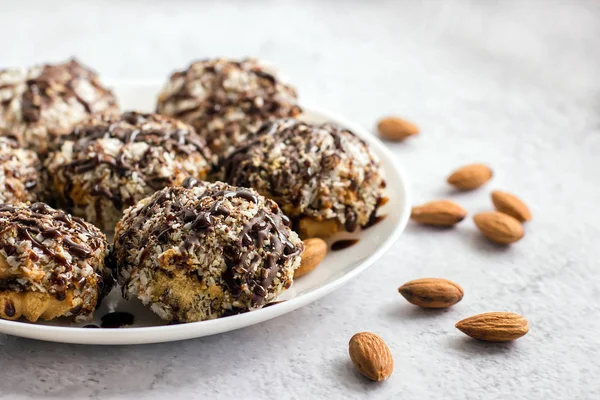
[309, 228]
[34, 305]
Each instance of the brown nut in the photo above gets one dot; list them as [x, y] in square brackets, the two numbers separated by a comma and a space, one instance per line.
[510, 204]
[444, 213]
[315, 250]
[371, 356]
[432, 292]
[470, 176]
[494, 326]
[395, 129]
[498, 227]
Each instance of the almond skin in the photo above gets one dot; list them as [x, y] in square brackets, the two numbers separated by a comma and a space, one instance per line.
[494, 326]
[510, 204]
[396, 129]
[499, 227]
[432, 292]
[470, 176]
[315, 250]
[438, 213]
[371, 356]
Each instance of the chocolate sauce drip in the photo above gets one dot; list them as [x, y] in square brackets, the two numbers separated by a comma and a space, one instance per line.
[80, 250]
[117, 319]
[293, 139]
[373, 220]
[25, 234]
[169, 137]
[52, 233]
[61, 79]
[351, 223]
[99, 190]
[40, 219]
[343, 244]
[240, 272]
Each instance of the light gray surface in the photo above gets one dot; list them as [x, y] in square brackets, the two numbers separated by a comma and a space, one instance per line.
[512, 84]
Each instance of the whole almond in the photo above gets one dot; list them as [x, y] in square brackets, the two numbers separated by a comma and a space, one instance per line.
[498, 227]
[432, 292]
[371, 356]
[315, 250]
[438, 213]
[510, 204]
[395, 129]
[470, 176]
[494, 326]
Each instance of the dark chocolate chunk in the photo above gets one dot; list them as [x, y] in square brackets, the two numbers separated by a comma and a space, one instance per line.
[9, 308]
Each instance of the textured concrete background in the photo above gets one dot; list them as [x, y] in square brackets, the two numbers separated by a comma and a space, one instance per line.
[512, 84]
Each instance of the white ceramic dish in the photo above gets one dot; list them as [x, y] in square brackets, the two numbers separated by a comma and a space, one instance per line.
[337, 268]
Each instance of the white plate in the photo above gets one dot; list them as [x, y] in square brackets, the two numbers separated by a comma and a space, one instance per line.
[337, 268]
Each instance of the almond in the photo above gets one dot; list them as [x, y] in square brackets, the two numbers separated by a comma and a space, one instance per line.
[395, 129]
[470, 176]
[432, 292]
[499, 227]
[494, 326]
[315, 250]
[510, 204]
[438, 213]
[371, 356]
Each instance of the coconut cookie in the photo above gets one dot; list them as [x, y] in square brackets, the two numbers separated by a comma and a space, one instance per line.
[110, 162]
[51, 264]
[227, 101]
[40, 104]
[205, 250]
[322, 176]
[19, 173]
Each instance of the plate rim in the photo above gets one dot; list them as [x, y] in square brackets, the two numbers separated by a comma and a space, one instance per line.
[168, 333]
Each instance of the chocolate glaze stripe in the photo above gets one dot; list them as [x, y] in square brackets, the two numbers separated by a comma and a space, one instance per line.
[27, 228]
[255, 232]
[57, 230]
[240, 165]
[171, 138]
[59, 77]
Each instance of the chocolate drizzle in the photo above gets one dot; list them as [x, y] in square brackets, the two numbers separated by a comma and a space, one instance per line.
[259, 98]
[37, 223]
[374, 220]
[60, 79]
[131, 127]
[307, 160]
[252, 260]
[20, 170]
